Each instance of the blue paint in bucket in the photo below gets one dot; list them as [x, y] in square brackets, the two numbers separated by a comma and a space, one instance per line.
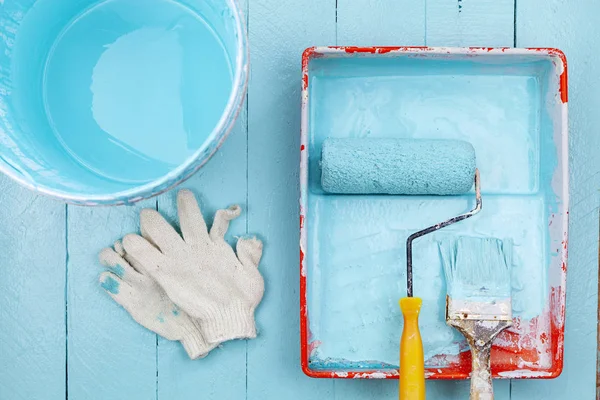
[116, 100]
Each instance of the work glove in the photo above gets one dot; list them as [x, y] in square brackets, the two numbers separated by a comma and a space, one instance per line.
[148, 303]
[199, 270]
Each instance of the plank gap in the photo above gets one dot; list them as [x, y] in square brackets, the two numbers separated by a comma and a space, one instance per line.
[515, 24]
[336, 22]
[66, 302]
[598, 323]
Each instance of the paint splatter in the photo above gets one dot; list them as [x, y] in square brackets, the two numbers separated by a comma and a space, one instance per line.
[175, 312]
[119, 270]
[563, 84]
[381, 50]
[312, 346]
[161, 318]
[306, 56]
[110, 285]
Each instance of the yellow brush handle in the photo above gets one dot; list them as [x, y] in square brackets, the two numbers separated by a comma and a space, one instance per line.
[412, 364]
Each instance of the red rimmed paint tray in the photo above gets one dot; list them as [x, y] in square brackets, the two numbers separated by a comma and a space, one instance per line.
[511, 104]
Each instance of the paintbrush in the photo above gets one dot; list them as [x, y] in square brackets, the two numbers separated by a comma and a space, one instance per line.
[478, 302]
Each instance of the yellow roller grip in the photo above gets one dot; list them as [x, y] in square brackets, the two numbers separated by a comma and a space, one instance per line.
[412, 364]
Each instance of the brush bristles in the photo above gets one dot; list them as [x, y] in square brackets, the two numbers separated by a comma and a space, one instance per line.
[477, 269]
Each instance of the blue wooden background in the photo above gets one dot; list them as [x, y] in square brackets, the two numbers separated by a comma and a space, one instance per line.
[61, 337]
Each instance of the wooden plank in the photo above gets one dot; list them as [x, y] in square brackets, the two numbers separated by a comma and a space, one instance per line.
[376, 23]
[380, 23]
[279, 31]
[32, 295]
[486, 23]
[109, 355]
[574, 29]
[222, 374]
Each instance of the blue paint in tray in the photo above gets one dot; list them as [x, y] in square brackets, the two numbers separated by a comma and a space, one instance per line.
[356, 259]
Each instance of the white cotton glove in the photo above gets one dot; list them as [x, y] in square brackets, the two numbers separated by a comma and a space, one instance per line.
[148, 304]
[200, 272]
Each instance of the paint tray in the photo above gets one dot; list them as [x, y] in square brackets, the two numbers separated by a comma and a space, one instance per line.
[511, 104]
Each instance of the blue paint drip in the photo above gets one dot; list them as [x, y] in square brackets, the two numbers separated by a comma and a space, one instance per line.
[175, 312]
[110, 285]
[161, 318]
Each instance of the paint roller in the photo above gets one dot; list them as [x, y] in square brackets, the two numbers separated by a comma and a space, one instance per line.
[403, 167]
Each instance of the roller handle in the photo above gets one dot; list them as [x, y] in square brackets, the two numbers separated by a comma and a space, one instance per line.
[481, 376]
[412, 364]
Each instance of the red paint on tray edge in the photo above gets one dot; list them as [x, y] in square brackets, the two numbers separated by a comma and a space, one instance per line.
[304, 350]
[488, 49]
[379, 50]
[310, 52]
[563, 79]
[306, 55]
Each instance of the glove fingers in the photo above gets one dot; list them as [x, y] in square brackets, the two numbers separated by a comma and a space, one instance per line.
[117, 265]
[191, 221]
[132, 261]
[119, 248]
[159, 232]
[122, 294]
[135, 264]
[145, 256]
[221, 222]
[249, 252]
